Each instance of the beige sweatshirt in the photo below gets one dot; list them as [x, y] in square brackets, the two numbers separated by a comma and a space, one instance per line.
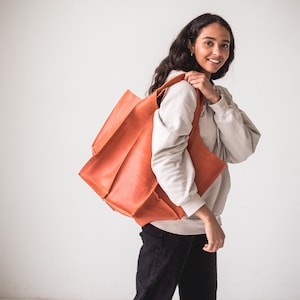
[224, 129]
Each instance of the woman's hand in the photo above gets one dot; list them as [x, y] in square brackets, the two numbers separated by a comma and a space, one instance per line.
[213, 230]
[201, 82]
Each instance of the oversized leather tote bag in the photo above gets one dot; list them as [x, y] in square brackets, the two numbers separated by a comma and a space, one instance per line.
[120, 168]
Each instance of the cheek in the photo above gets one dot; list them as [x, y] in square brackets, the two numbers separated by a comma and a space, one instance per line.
[226, 55]
[201, 53]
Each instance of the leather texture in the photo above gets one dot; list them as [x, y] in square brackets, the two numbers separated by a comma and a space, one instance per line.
[120, 168]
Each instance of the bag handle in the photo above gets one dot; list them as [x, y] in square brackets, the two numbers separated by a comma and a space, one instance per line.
[159, 91]
[199, 108]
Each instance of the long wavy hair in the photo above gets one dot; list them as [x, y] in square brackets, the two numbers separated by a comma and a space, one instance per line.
[180, 58]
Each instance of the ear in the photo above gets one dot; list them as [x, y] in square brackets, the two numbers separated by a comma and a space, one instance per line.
[191, 47]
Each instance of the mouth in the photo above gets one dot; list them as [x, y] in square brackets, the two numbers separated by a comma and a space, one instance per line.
[214, 61]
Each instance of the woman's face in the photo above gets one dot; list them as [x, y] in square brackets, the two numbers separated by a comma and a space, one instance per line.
[211, 48]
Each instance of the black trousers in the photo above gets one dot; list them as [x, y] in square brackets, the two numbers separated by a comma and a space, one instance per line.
[167, 260]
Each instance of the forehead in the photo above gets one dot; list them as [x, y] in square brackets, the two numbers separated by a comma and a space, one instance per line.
[215, 31]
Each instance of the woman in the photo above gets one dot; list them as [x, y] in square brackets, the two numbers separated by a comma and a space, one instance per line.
[183, 252]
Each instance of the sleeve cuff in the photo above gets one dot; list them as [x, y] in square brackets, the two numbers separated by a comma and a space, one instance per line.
[220, 106]
[191, 206]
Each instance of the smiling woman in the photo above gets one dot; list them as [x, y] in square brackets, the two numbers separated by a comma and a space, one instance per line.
[183, 252]
[211, 48]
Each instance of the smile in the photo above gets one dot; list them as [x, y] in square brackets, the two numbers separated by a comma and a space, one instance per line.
[214, 61]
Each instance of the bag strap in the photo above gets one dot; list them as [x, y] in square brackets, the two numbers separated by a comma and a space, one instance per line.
[199, 108]
[159, 91]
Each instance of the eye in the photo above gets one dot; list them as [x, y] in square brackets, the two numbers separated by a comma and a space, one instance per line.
[225, 46]
[209, 43]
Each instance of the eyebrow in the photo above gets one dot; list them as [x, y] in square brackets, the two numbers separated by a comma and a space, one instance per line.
[211, 38]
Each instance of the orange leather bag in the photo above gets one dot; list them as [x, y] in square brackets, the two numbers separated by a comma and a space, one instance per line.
[120, 168]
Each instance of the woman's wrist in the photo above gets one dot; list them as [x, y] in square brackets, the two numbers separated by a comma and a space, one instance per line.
[215, 98]
[205, 214]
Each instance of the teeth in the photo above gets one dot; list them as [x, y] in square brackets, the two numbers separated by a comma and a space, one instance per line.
[214, 61]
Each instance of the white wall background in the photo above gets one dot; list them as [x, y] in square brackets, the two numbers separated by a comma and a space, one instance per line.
[63, 65]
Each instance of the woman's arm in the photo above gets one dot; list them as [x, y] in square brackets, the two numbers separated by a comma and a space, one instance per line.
[213, 230]
[171, 161]
[237, 133]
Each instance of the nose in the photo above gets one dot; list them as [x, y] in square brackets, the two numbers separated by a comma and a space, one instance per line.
[216, 51]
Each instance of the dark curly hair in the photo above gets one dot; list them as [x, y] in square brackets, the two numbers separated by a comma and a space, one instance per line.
[180, 58]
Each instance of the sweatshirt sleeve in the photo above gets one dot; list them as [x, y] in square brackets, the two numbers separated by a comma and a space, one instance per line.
[238, 135]
[171, 162]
